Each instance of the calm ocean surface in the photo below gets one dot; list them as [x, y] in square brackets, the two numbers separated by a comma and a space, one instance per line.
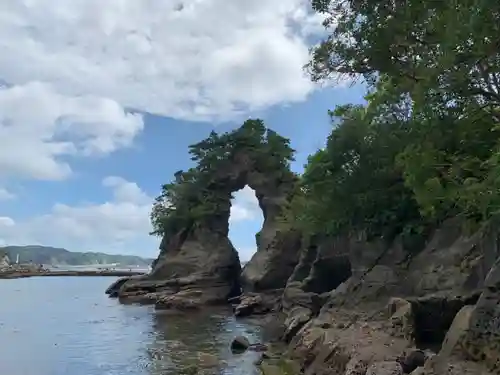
[68, 326]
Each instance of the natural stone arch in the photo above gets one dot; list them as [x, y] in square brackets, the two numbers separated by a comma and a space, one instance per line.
[277, 245]
[197, 262]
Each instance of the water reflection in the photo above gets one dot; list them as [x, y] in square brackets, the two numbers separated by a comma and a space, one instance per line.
[198, 339]
[67, 326]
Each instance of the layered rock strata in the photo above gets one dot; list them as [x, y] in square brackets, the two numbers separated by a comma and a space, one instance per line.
[434, 312]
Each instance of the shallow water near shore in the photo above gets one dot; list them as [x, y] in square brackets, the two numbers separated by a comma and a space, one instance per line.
[67, 325]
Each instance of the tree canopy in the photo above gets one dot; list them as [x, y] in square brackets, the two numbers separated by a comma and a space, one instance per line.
[425, 147]
[196, 195]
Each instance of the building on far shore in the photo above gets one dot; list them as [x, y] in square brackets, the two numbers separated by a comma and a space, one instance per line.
[4, 260]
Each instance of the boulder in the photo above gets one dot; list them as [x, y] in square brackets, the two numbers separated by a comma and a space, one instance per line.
[250, 304]
[240, 344]
[257, 303]
[294, 296]
[412, 360]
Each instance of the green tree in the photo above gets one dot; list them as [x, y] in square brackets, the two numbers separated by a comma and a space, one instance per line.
[354, 184]
[434, 73]
[198, 195]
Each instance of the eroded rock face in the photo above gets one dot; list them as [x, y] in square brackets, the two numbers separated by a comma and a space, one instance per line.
[273, 263]
[482, 338]
[323, 265]
[198, 268]
[438, 298]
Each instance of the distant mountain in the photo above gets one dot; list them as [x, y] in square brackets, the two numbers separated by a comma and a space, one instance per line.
[57, 256]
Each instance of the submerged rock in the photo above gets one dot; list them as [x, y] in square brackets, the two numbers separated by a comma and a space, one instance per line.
[412, 360]
[240, 344]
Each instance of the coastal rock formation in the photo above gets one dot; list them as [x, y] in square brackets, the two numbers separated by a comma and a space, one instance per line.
[197, 264]
[388, 305]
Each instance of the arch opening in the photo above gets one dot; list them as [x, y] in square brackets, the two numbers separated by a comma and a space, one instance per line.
[245, 223]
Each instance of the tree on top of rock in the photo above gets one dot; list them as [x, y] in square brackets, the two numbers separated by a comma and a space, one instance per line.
[191, 197]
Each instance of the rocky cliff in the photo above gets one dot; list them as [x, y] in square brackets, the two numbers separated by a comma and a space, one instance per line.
[390, 311]
[197, 264]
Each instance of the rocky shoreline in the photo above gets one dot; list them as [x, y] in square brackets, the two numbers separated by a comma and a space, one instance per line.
[433, 313]
[387, 312]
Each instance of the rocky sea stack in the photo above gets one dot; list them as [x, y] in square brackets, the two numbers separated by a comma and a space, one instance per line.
[197, 264]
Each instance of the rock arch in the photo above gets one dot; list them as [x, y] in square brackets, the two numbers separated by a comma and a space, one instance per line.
[197, 263]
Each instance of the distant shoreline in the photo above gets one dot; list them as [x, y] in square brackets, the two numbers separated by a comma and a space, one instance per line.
[17, 274]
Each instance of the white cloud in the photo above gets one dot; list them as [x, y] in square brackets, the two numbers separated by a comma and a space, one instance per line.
[6, 221]
[124, 191]
[188, 59]
[71, 70]
[246, 253]
[40, 127]
[245, 205]
[6, 195]
[120, 225]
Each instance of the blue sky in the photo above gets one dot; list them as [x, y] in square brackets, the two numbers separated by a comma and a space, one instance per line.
[78, 170]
